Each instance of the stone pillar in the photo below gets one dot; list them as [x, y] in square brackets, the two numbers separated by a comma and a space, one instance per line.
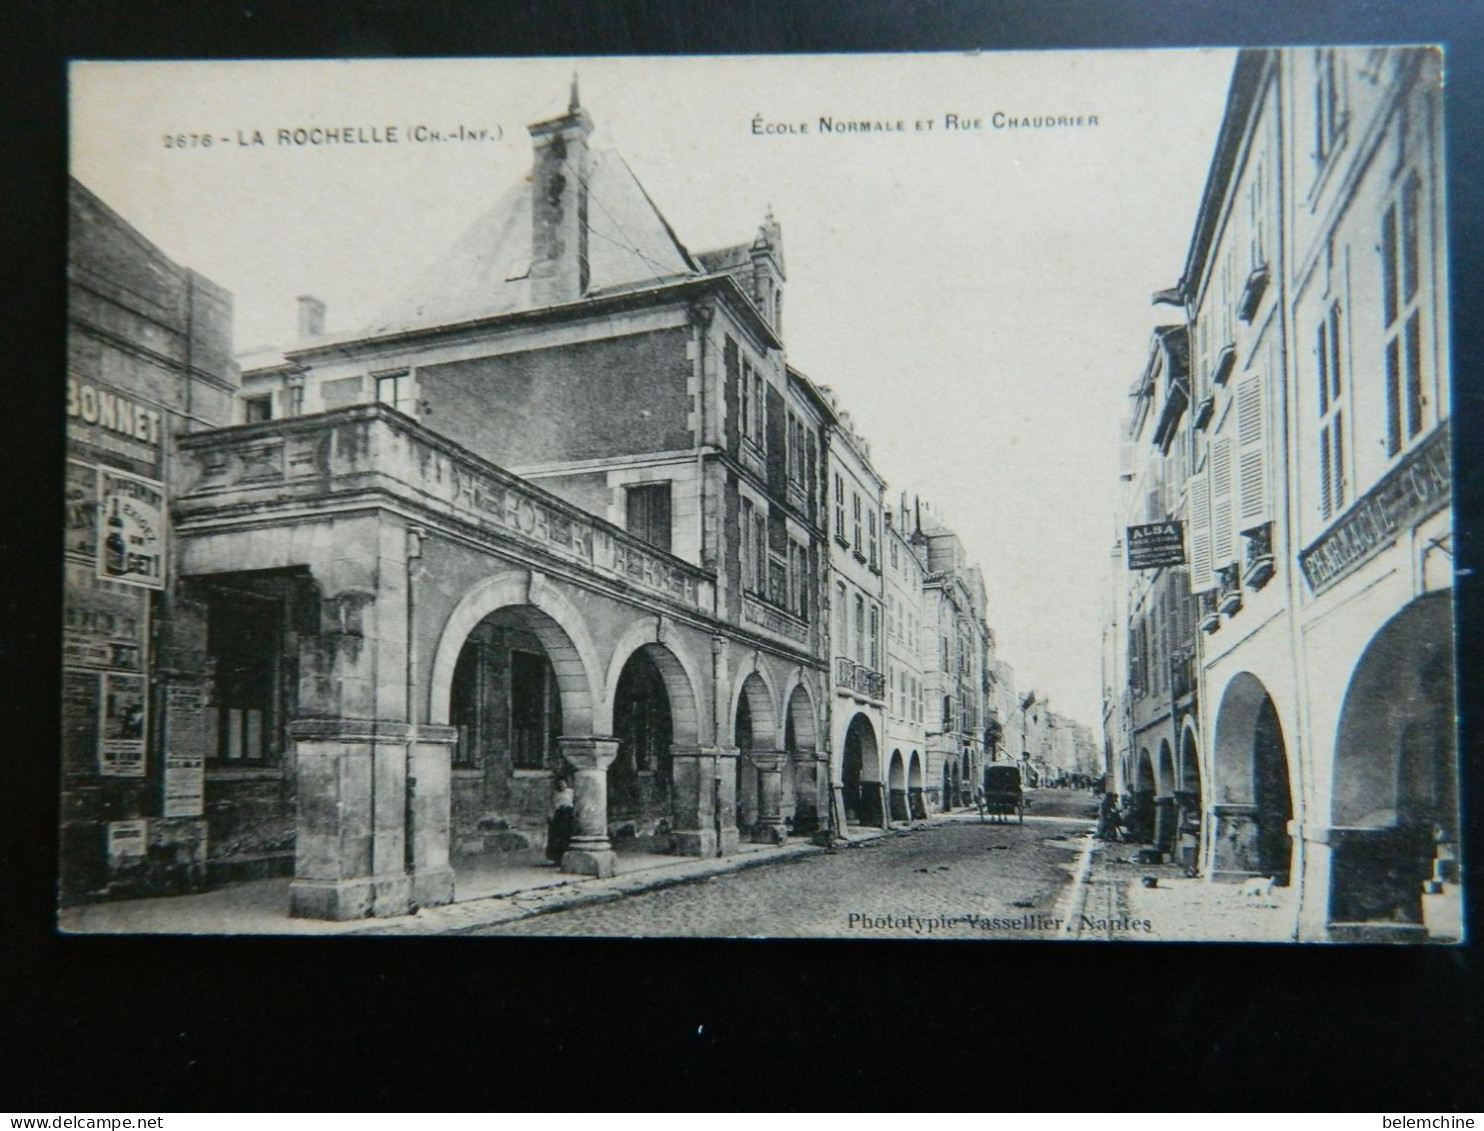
[429, 810]
[1165, 821]
[1233, 842]
[703, 780]
[1374, 886]
[897, 810]
[770, 828]
[915, 803]
[880, 804]
[808, 774]
[350, 853]
[590, 853]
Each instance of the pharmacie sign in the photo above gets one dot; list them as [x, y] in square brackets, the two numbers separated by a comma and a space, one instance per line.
[131, 529]
[1155, 545]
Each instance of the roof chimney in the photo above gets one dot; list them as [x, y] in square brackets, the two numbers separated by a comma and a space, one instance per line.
[559, 265]
[311, 317]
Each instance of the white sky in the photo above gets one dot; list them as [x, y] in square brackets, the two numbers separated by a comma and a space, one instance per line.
[980, 299]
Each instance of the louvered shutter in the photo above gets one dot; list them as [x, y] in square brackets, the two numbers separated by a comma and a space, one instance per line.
[1251, 458]
[1223, 548]
[1200, 533]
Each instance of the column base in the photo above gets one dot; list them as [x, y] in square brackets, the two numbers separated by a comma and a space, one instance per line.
[1376, 933]
[599, 862]
[693, 842]
[432, 888]
[372, 897]
[768, 834]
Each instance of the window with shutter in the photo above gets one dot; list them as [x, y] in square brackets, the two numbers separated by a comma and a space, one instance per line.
[648, 513]
[1200, 533]
[1330, 373]
[1252, 457]
[1223, 548]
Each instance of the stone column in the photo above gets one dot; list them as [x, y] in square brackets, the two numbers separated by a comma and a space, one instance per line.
[897, 803]
[880, 804]
[350, 852]
[770, 828]
[703, 780]
[1165, 820]
[590, 853]
[808, 774]
[1233, 842]
[915, 803]
[1374, 882]
[430, 809]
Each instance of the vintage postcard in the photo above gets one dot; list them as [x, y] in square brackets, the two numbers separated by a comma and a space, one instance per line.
[967, 496]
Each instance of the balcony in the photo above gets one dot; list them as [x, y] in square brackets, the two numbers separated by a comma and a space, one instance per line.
[1207, 612]
[372, 455]
[1229, 589]
[850, 676]
[1259, 563]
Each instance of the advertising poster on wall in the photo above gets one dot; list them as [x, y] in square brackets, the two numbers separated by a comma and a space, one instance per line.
[131, 529]
[123, 726]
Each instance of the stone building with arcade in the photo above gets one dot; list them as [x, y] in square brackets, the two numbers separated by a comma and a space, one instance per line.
[561, 514]
[1314, 472]
[556, 512]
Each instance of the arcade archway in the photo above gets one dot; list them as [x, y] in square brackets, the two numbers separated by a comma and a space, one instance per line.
[896, 784]
[1395, 798]
[1253, 799]
[860, 778]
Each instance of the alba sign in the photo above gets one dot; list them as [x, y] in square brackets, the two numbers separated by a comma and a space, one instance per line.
[1155, 545]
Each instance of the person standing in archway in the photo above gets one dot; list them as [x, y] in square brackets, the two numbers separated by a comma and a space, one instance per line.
[563, 820]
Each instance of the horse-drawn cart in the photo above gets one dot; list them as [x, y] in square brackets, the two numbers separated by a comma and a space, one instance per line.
[1003, 797]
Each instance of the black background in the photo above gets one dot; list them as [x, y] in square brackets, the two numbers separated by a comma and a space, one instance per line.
[140, 1025]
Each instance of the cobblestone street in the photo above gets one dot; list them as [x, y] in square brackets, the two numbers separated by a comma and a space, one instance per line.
[957, 879]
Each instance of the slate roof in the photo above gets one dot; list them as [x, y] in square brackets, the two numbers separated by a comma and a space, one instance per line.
[486, 272]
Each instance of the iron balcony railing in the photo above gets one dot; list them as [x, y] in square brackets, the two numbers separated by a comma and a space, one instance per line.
[859, 678]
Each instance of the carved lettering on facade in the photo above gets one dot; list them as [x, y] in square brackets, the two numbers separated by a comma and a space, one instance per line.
[1412, 491]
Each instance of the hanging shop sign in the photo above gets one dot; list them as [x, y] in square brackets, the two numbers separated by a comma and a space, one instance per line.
[131, 529]
[123, 708]
[1156, 545]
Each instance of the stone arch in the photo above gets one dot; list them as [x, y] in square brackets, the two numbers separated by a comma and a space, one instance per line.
[677, 668]
[1253, 799]
[1189, 763]
[554, 620]
[860, 773]
[1395, 785]
[762, 700]
[800, 712]
[1164, 769]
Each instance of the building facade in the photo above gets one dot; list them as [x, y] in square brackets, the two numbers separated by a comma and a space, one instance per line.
[956, 649]
[873, 788]
[149, 358]
[556, 513]
[1316, 493]
[906, 729]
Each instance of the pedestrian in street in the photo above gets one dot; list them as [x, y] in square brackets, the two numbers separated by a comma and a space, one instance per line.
[1108, 817]
[563, 820]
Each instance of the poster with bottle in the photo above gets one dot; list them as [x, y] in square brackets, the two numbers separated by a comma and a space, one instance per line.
[131, 529]
[123, 725]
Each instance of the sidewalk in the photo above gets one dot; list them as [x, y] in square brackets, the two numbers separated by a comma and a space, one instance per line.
[1119, 905]
[489, 889]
